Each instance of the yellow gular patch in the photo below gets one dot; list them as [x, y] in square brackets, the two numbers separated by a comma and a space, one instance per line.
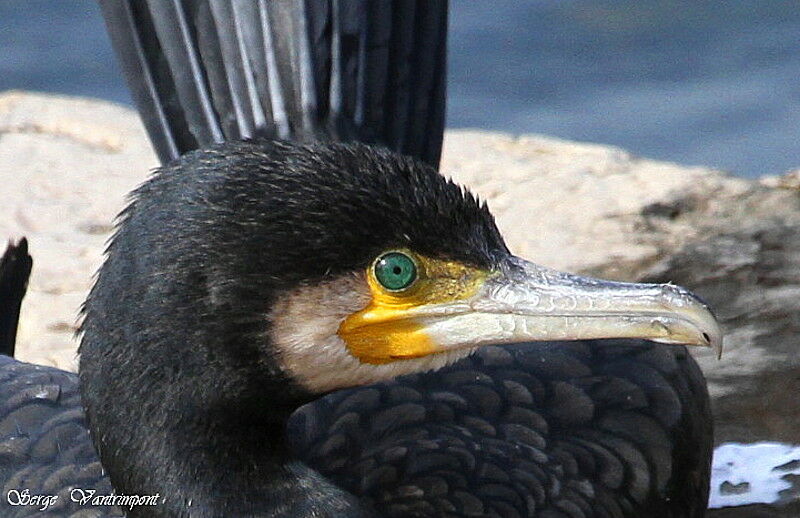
[392, 326]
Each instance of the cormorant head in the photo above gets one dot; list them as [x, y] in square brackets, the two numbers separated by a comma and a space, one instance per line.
[333, 265]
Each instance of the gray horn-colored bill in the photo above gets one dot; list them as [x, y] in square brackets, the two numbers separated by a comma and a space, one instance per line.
[527, 302]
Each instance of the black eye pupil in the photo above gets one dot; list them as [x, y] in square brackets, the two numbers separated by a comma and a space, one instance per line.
[397, 270]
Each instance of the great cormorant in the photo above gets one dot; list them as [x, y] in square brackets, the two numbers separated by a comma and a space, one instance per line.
[248, 282]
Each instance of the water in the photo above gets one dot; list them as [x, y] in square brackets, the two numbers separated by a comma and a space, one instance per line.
[692, 81]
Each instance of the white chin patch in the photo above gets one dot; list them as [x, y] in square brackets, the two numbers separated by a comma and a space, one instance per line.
[304, 329]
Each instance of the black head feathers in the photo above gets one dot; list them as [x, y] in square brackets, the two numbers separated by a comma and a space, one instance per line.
[210, 240]
[301, 211]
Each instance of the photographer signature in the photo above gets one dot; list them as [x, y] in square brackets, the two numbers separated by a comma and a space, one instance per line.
[80, 496]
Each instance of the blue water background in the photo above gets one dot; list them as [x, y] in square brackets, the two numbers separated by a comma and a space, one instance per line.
[694, 81]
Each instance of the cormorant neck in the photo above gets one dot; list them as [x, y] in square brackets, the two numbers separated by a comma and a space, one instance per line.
[216, 445]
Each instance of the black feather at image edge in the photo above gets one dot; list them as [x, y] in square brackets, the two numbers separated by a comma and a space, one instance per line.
[15, 269]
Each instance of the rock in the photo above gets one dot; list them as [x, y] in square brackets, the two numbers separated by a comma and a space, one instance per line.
[758, 511]
[67, 164]
[592, 208]
[751, 275]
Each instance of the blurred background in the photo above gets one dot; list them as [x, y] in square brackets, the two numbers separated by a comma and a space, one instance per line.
[692, 81]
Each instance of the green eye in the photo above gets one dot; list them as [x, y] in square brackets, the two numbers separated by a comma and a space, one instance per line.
[395, 271]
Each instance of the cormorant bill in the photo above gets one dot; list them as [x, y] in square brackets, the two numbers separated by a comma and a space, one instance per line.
[15, 268]
[249, 278]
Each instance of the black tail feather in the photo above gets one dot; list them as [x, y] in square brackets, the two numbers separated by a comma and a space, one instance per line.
[202, 71]
[15, 269]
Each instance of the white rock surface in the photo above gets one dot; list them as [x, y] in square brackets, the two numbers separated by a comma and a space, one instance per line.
[66, 165]
[570, 205]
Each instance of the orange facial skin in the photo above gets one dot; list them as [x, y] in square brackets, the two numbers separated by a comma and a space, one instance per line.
[391, 326]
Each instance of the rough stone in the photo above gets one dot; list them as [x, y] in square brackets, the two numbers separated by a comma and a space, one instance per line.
[66, 166]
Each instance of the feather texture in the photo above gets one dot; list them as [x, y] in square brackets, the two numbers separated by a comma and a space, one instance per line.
[15, 268]
[203, 71]
[556, 429]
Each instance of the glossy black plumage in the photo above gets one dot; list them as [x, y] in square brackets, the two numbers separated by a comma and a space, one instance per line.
[44, 443]
[588, 429]
[438, 442]
[204, 71]
[176, 331]
[15, 268]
